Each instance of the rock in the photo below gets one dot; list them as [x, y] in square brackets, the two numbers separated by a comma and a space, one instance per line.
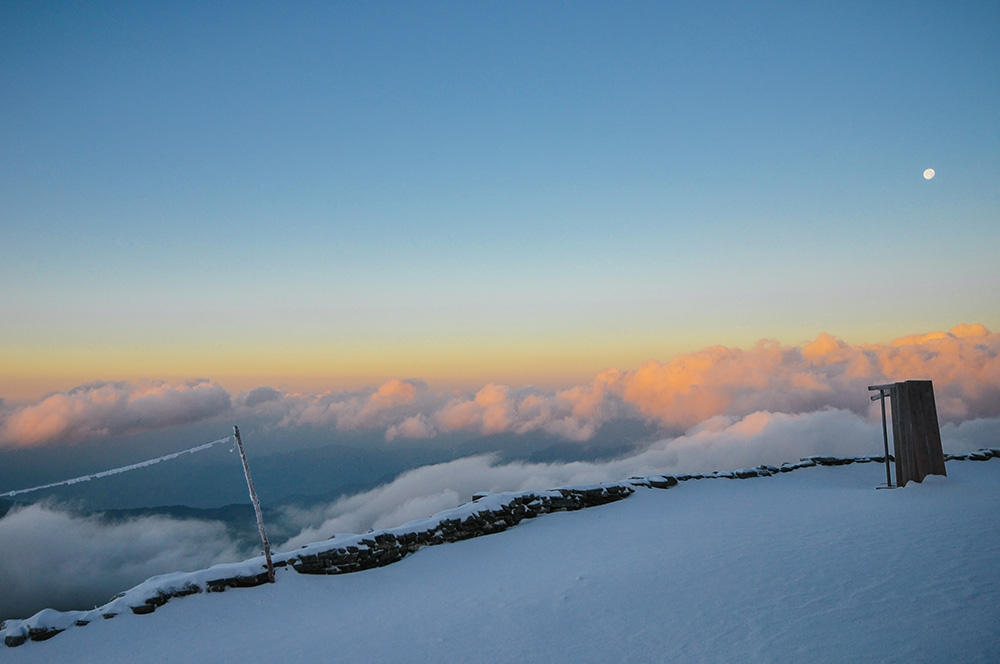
[831, 461]
[42, 633]
[188, 589]
[664, 482]
[14, 640]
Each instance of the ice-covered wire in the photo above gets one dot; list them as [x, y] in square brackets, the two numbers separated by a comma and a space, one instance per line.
[115, 471]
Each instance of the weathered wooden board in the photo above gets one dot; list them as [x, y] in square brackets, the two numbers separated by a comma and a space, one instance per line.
[915, 432]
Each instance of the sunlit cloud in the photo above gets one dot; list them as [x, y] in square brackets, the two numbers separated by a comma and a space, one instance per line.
[693, 387]
[104, 409]
[826, 373]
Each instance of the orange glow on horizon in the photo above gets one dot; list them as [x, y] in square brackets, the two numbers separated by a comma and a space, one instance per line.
[547, 361]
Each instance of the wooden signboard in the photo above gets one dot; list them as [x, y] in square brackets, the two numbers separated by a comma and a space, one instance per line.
[915, 432]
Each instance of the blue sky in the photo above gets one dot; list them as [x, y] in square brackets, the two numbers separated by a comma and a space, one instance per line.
[527, 192]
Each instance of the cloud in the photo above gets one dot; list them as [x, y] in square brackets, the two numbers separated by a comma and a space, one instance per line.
[971, 435]
[107, 409]
[55, 559]
[261, 395]
[387, 405]
[826, 373]
[719, 443]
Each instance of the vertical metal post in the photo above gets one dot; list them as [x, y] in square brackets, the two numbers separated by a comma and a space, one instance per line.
[256, 505]
[885, 391]
[885, 440]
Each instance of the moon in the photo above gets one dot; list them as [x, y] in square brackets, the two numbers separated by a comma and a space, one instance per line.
[929, 173]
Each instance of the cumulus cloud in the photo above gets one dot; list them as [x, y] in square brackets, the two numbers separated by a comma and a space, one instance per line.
[387, 405]
[107, 409]
[825, 373]
[55, 559]
[261, 395]
[963, 363]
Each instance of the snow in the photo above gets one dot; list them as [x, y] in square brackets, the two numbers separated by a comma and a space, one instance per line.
[811, 565]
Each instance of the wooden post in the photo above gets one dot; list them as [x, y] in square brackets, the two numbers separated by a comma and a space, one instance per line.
[256, 505]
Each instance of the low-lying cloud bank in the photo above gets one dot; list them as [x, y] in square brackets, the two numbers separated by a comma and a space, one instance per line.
[964, 364]
[719, 443]
[53, 558]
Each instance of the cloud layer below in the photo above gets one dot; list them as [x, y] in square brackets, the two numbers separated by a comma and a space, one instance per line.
[719, 443]
[964, 364]
[56, 559]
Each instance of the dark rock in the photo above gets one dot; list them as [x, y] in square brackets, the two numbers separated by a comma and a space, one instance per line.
[831, 461]
[143, 609]
[42, 633]
[14, 640]
[157, 600]
[188, 589]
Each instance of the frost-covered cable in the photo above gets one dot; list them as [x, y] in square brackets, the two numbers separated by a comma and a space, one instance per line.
[115, 471]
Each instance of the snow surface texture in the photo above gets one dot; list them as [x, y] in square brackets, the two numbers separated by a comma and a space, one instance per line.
[806, 566]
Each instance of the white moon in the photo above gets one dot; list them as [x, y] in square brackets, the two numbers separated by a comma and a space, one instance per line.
[929, 173]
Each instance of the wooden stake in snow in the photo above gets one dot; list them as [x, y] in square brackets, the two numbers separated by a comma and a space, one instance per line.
[256, 506]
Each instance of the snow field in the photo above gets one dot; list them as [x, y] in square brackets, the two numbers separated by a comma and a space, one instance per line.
[810, 565]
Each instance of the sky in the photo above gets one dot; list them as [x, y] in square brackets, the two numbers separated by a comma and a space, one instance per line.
[335, 195]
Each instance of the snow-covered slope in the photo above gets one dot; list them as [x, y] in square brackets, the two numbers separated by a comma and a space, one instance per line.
[812, 565]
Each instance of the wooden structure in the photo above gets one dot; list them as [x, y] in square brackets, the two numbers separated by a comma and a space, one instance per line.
[916, 435]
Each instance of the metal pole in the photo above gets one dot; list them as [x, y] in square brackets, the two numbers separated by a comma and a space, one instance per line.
[885, 440]
[256, 506]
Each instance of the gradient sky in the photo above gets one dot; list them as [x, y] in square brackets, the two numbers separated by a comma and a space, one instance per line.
[340, 193]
